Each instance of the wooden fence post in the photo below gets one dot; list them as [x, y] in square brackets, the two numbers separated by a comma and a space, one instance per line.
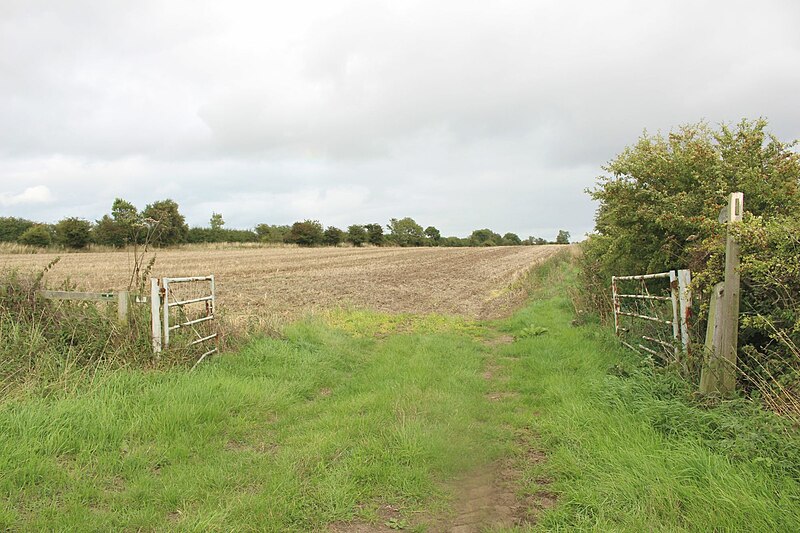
[122, 307]
[719, 369]
[155, 315]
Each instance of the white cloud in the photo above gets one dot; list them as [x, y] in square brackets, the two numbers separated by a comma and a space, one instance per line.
[32, 195]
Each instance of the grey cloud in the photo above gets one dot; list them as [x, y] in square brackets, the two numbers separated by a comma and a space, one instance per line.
[463, 115]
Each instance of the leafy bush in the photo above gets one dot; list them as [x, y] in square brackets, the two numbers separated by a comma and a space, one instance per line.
[511, 239]
[305, 233]
[73, 232]
[11, 228]
[203, 235]
[333, 236]
[374, 234]
[272, 233]
[170, 225]
[356, 235]
[658, 211]
[485, 237]
[406, 232]
[37, 235]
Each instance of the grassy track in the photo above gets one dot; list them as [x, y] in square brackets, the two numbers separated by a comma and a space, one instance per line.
[346, 415]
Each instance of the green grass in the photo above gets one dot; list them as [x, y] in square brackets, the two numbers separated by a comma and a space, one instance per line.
[355, 410]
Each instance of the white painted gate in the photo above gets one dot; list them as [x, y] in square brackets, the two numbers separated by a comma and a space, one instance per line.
[170, 313]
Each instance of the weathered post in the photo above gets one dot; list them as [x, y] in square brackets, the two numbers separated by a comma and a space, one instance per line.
[719, 368]
[685, 297]
[155, 315]
[122, 307]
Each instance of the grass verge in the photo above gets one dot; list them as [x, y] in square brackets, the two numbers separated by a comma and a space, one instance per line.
[349, 413]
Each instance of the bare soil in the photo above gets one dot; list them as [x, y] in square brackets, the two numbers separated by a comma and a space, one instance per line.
[284, 283]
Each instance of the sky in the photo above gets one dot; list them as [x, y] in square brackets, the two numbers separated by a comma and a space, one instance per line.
[460, 114]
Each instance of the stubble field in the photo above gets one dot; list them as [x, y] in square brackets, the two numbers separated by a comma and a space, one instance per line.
[257, 284]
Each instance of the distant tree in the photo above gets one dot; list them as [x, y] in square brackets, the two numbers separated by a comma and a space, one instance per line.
[36, 235]
[374, 234]
[272, 233]
[406, 232]
[128, 221]
[107, 232]
[332, 236]
[305, 233]
[433, 235]
[201, 235]
[453, 242]
[357, 235]
[485, 237]
[171, 226]
[563, 237]
[216, 221]
[511, 239]
[535, 240]
[73, 232]
[11, 228]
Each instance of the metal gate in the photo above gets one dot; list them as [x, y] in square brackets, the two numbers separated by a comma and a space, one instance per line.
[646, 307]
[170, 313]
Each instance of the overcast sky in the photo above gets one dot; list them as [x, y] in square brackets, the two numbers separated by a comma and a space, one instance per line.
[459, 114]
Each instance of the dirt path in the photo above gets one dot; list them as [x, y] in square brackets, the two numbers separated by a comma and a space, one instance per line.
[488, 498]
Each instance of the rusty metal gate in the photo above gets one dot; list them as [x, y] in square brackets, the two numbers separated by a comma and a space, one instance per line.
[171, 312]
[646, 304]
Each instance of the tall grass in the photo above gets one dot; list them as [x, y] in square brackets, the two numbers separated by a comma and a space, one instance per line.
[60, 345]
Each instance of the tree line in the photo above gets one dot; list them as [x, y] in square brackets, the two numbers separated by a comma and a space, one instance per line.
[162, 224]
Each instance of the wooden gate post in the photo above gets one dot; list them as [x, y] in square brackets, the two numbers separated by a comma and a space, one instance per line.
[155, 315]
[719, 368]
[122, 307]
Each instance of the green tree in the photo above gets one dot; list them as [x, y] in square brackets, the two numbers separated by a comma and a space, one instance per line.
[658, 209]
[216, 221]
[485, 237]
[406, 232]
[128, 221]
[535, 240]
[374, 234]
[434, 235]
[454, 242]
[272, 233]
[660, 201]
[563, 237]
[356, 235]
[36, 235]
[511, 239]
[332, 236]
[73, 232]
[305, 233]
[170, 226]
[11, 228]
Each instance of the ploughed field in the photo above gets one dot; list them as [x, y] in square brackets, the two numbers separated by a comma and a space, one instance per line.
[254, 284]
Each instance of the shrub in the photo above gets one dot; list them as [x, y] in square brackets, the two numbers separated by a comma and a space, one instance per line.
[333, 236]
[272, 233]
[658, 211]
[406, 232]
[73, 232]
[37, 235]
[12, 228]
[356, 235]
[485, 237]
[374, 234]
[305, 233]
[170, 227]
